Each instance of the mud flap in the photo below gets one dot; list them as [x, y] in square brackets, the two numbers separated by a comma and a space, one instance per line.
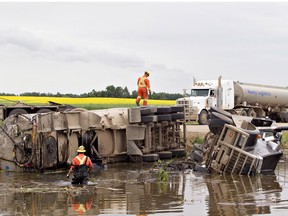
[135, 132]
[132, 148]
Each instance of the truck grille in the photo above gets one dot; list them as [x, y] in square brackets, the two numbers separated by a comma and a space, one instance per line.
[230, 156]
[190, 114]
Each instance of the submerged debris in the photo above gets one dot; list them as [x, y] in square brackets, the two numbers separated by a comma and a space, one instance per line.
[239, 145]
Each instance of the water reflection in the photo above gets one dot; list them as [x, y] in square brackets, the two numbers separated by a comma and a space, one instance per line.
[129, 189]
[242, 195]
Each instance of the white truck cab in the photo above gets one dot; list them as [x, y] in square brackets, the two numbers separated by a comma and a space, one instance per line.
[203, 96]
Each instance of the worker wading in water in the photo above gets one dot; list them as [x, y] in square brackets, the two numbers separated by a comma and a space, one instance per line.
[81, 165]
[143, 88]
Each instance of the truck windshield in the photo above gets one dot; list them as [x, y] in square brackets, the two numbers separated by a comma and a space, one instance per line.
[199, 92]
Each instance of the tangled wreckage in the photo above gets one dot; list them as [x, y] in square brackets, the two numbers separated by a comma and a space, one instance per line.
[239, 145]
[47, 141]
[43, 141]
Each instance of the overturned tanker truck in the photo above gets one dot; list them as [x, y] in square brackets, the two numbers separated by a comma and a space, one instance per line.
[239, 145]
[47, 141]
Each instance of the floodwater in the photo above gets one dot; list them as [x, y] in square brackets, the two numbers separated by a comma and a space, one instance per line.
[133, 189]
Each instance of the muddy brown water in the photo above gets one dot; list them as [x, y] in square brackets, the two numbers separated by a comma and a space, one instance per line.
[133, 189]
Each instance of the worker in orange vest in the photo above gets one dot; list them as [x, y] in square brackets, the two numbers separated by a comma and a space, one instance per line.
[143, 88]
[81, 204]
[81, 208]
[81, 165]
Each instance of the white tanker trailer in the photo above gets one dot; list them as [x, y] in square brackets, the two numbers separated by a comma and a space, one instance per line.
[236, 97]
[43, 141]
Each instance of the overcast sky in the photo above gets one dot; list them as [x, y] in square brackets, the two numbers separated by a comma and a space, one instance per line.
[77, 47]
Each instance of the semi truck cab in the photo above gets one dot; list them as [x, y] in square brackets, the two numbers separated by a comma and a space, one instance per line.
[204, 95]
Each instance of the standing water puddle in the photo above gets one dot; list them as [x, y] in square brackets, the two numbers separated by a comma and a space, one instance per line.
[133, 189]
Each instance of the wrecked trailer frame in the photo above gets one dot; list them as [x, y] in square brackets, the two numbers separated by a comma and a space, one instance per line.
[38, 142]
[23, 108]
[239, 145]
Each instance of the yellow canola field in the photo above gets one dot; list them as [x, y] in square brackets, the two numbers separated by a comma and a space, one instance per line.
[75, 101]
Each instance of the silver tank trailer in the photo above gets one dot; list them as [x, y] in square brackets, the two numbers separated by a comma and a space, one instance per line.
[50, 140]
[263, 95]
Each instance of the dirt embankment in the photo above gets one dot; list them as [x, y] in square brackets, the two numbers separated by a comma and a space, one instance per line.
[195, 134]
[196, 131]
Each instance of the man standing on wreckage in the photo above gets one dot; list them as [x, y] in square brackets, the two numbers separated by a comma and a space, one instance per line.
[81, 165]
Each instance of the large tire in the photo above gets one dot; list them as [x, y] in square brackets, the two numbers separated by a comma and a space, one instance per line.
[178, 152]
[224, 118]
[79, 109]
[163, 110]
[261, 122]
[243, 113]
[44, 110]
[18, 111]
[149, 118]
[147, 110]
[177, 116]
[165, 155]
[252, 113]
[175, 109]
[150, 157]
[203, 117]
[164, 117]
[217, 122]
[216, 125]
[221, 111]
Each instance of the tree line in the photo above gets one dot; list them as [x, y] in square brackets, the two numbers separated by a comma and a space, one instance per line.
[110, 91]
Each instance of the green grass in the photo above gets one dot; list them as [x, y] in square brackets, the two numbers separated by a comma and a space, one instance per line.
[197, 139]
[284, 141]
[104, 106]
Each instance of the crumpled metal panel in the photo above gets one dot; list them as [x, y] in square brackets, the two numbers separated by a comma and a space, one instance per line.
[6, 147]
[114, 117]
[45, 122]
[59, 121]
[135, 132]
[134, 115]
[73, 119]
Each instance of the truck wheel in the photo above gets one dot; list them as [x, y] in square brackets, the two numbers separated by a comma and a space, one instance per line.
[79, 109]
[147, 110]
[261, 122]
[164, 117]
[243, 113]
[149, 118]
[176, 116]
[178, 152]
[163, 110]
[150, 157]
[165, 155]
[221, 111]
[175, 109]
[18, 112]
[252, 113]
[227, 120]
[43, 111]
[203, 117]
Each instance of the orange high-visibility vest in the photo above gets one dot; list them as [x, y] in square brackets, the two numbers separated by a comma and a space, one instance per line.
[82, 161]
[143, 82]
